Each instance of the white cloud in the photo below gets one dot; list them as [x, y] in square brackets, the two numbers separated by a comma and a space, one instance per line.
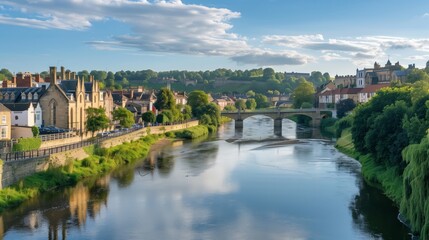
[269, 58]
[425, 15]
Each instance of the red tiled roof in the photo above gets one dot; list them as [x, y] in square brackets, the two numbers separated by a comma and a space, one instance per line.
[374, 88]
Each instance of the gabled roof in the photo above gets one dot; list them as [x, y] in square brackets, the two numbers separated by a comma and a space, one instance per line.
[351, 90]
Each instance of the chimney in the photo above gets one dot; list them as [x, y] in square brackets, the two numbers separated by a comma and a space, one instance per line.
[37, 78]
[53, 74]
[63, 74]
[67, 74]
[73, 75]
[14, 80]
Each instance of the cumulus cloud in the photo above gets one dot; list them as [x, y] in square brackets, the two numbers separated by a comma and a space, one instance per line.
[157, 26]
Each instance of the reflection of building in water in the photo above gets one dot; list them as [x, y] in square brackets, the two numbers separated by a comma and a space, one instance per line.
[78, 201]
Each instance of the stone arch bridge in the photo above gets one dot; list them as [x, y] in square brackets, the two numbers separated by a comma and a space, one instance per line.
[278, 115]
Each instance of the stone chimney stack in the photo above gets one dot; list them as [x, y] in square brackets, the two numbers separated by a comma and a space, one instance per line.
[63, 73]
[68, 75]
[53, 74]
[73, 75]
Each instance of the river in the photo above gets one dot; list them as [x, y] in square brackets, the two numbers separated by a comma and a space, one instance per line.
[228, 186]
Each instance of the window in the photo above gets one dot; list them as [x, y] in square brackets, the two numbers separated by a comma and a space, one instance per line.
[23, 97]
[3, 132]
[3, 119]
[36, 96]
[16, 117]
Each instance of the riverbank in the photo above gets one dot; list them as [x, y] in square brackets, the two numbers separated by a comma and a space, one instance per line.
[383, 177]
[100, 161]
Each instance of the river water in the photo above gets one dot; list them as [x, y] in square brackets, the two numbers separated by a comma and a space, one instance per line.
[229, 186]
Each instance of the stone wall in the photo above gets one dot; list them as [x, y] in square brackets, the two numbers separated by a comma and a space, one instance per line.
[11, 172]
[142, 132]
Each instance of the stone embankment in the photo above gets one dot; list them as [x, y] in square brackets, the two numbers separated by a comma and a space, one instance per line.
[13, 171]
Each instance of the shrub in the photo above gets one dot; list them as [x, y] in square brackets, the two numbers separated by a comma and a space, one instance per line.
[26, 144]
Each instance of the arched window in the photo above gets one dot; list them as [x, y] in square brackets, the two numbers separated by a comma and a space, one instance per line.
[53, 112]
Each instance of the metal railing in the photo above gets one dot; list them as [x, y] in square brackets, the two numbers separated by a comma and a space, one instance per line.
[57, 136]
[13, 156]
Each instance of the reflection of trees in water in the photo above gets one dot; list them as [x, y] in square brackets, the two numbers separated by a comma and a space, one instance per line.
[200, 157]
[164, 163]
[124, 176]
[60, 210]
[374, 213]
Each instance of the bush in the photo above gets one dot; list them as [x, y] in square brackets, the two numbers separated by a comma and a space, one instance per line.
[26, 144]
[35, 131]
[193, 132]
[342, 124]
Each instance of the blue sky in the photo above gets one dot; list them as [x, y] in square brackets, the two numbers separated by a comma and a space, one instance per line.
[334, 36]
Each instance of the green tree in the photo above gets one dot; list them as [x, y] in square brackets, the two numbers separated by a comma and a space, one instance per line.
[327, 77]
[124, 116]
[251, 103]
[165, 99]
[213, 111]
[230, 108]
[187, 112]
[162, 118]
[417, 75]
[303, 93]
[261, 101]
[250, 93]
[125, 83]
[6, 73]
[345, 106]
[197, 100]
[96, 119]
[240, 104]
[148, 117]
[269, 73]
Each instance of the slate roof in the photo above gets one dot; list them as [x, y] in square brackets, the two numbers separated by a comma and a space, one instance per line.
[18, 91]
[17, 107]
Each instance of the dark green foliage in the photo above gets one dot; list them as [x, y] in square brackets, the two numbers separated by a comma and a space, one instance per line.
[162, 118]
[250, 103]
[415, 201]
[148, 117]
[343, 123]
[165, 99]
[345, 106]
[261, 101]
[303, 93]
[365, 114]
[125, 117]
[197, 100]
[96, 119]
[240, 104]
[26, 144]
[230, 108]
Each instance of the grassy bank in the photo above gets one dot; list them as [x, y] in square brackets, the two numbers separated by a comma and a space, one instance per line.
[386, 178]
[100, 161]
[192, 132]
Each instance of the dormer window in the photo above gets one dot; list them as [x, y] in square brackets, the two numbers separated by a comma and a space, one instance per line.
[23, 96]
[6, 96]
[12, 96]
[36, 96]
[30, 96]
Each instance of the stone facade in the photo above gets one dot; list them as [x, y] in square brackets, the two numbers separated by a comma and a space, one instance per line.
[64, 103]
[5, 123]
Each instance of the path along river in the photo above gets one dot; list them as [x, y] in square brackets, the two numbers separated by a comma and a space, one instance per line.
[219, 188]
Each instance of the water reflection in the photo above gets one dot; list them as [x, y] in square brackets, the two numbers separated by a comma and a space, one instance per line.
[58, 212]
[217, 190]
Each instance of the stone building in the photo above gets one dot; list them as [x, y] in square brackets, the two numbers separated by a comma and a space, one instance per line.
[5, 123]
[65, 101]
